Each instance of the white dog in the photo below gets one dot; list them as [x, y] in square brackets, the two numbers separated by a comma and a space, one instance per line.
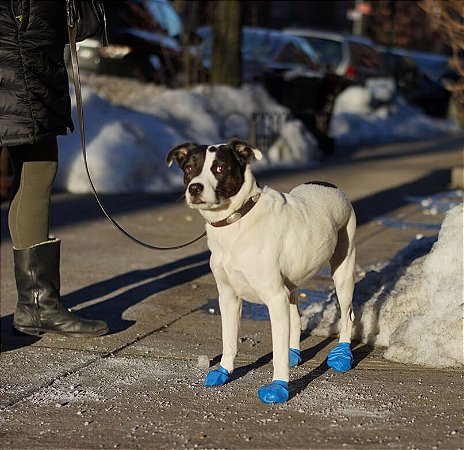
[264, 244]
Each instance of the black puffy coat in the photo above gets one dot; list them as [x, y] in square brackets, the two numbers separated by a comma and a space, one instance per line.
[34, 89]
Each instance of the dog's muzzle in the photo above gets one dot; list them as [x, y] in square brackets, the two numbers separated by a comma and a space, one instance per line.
[195, 191]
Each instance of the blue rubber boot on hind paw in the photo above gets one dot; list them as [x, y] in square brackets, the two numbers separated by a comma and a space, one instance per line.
[217, 377]
[340, 358]
[276, 392]
[294, 357]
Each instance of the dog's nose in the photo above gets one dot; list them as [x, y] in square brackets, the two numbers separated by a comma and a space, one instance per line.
[195, 189]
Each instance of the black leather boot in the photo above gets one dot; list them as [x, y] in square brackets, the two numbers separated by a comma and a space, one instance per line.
[39, 309]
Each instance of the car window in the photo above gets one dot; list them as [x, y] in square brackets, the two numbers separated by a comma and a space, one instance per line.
[292, 53]
[328, 51]
[257, 45]
[363, 55]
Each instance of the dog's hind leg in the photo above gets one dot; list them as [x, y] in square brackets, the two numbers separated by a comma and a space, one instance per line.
[342, 264]
[294, 354]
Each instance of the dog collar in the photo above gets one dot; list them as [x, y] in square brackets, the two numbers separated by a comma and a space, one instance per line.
[243, 210]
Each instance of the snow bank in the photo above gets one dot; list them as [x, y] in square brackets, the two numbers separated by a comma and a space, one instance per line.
[127, 144]
[360, 119]
[129, 136]
[413, 306]
[430, 330]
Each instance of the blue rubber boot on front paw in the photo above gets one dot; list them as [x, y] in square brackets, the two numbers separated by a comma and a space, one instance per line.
[294, 357]
[276, 392]
[217, 377]
[340, 358]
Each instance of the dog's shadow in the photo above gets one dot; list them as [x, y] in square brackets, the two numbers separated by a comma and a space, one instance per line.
[300, 384]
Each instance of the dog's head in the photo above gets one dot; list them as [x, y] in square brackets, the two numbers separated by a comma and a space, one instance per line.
[212, 173]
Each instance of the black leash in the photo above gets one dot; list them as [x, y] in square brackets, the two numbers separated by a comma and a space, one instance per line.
[77, 87]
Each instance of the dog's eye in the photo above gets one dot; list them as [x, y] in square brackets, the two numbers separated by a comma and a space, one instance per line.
[220, 168]
[188, 169]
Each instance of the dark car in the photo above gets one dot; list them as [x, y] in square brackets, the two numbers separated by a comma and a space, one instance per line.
[420, 78]
[289, 69]
[353, 58]
[144, 42]
[264, 50]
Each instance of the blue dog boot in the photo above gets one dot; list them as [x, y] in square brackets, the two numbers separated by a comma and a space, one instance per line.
[276, 392]
[294, 357]
[217, 377]
[340, 358]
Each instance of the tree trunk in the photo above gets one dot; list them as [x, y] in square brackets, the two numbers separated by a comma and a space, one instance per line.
[226, 58]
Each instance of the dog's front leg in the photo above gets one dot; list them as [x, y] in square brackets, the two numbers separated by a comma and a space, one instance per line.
[231, 313]
[279, 312]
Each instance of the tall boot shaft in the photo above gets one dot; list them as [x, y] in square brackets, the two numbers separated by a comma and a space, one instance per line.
[37, 273]
[39, 308]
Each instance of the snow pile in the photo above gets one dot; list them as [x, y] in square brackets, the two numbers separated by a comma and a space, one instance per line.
[360, 119]
[129, 136]
[430, 331]
[413, 306]
[127, 144]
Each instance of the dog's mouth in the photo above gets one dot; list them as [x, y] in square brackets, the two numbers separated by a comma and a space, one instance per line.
[197, 201]
[200, 203]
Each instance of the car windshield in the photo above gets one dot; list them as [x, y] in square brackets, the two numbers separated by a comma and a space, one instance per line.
[258, 45]
[277, 47]
[328, 51]
[267, 45]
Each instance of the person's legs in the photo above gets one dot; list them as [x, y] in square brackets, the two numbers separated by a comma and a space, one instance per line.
[36, 256]
[34, 170]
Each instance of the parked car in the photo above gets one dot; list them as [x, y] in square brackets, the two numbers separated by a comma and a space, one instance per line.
[144, 42]
[420, 78]
[353, 58]
[289, 69]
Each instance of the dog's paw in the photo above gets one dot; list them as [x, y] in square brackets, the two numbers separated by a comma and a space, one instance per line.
[340, 358]
[276, 392]
[217, 377]
[294, 357]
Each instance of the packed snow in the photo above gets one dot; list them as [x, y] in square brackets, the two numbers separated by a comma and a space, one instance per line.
[127, 144]
[413, 306]
[374, 115]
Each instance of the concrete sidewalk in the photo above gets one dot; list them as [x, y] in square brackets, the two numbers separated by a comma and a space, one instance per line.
[141, 385]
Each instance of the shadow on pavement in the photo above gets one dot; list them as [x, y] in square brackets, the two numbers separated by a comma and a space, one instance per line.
[384, 202]
[148, 282]
[418, 148]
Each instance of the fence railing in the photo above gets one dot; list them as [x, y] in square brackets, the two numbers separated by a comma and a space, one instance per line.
[265, 128]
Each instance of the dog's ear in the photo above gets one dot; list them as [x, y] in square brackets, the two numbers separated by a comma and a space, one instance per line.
[179, 153]
[245, 151]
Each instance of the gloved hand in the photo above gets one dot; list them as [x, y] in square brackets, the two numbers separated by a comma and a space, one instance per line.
[276, 392]
[340, 358]
[217, 377]
[294, 357]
